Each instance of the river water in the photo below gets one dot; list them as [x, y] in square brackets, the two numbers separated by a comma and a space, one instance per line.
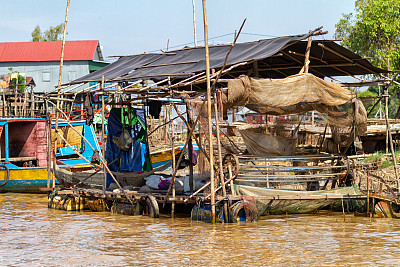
[31, 234]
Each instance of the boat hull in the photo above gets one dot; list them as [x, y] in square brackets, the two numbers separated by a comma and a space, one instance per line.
[26, 180]
[160, 158]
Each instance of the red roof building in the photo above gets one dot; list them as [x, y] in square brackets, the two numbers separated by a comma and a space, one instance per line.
[49, 51]
[41, 60]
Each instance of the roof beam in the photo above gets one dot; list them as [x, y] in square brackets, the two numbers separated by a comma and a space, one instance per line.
[346, 58]
[298, 61]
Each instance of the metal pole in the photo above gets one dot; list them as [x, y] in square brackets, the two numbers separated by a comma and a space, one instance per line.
[212, 186]
[59, 89]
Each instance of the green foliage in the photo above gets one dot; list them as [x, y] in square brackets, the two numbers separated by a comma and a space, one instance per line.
[370, 93]
[21, 86]
[36, 34]
[52, 34]
[374, 31]
[381, 160]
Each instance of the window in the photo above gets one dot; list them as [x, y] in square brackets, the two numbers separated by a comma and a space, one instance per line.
[71, 75]
[46, 76]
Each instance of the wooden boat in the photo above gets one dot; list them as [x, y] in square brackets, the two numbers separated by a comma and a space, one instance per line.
[23, 151]
[283, 201]
[95, 178]
[66, 155]
[162, 157]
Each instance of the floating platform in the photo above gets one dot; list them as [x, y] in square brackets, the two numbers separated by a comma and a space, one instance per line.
[231, 208]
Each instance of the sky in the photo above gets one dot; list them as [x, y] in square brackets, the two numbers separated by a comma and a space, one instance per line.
[132, 27]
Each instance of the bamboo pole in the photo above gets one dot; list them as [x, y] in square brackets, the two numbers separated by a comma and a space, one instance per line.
[307, 56]
[194, 24]
[198, 140]
[102, 161]
[367, 195]
[179, 160]
[221, 172]
[4, 103]
[344, 214]
[230, 178]
[174, 168]
[103, 149]
[190, 122]
[391, 140]
[59, 89]
[209, 112]
[48, 144]
[32, 106]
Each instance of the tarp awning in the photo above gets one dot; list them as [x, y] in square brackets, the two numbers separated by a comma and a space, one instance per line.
[278, 57]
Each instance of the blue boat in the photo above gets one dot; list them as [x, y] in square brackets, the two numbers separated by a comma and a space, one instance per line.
[23, 155]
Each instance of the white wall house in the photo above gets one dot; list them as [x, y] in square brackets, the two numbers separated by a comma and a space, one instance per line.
[41, 60]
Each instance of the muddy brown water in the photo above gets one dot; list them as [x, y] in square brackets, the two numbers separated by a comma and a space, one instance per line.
[31, 234]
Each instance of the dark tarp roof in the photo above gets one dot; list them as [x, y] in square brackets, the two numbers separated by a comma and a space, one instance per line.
[289, 57]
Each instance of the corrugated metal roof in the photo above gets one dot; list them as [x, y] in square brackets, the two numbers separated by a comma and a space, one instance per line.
[47, 51]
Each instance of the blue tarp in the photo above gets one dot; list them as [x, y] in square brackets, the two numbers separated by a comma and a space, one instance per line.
[137, 158]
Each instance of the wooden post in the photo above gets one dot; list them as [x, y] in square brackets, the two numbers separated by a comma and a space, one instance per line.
[103, 148]
[190, 146]
[373, 207]
[307, 55]
[48, 143]
[24, 105]
[230, 178]
[391, 140]
[255, 67]
[367, 195]
[4, 103]
[16, 96]
[212, 186]
[221, 172]
[174, 167]
[344, 215]
[58, 91]
[33, 104]
[387, 129]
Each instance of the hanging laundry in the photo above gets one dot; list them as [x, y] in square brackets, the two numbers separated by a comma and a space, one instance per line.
[155, 108]
[89, 108]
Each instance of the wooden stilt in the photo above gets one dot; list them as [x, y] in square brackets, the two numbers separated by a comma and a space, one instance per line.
[48, 144]
[174, 167]
[190, 145]
[230, 179]
[344, 214]
[59, 89]
[391, 140]
[209, 112]
[367, 195]
[103, 148]
[373, 207]
[221, 171]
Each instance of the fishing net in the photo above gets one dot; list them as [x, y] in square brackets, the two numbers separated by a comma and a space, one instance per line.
[292, 202]
[344, 113]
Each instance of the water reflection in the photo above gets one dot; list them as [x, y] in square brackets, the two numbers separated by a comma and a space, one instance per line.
[32, 234]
